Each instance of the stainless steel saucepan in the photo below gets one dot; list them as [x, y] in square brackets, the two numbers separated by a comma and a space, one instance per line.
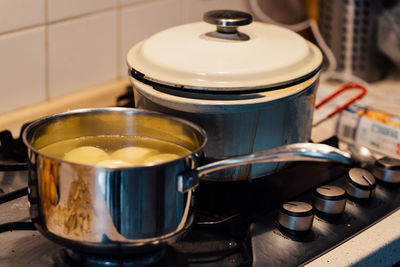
[108, 210]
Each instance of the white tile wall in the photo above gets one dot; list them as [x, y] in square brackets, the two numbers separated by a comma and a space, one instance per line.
[50, 48]
[82, 53]
[61, 9]
[144, 19]
[16, 14]
[128, 2]
[22, 69]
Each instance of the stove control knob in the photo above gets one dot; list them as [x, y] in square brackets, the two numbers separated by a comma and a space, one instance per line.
[329, 199]
[387, 169]
[360, 183]
[296, 216]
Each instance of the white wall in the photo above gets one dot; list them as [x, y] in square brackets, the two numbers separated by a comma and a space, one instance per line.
[50, 48]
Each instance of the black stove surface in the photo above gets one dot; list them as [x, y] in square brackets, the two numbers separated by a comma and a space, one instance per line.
[220, 236]
[276, 247]
[168, 256]
[236, 223]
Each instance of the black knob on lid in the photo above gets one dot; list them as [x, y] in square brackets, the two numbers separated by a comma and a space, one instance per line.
[387, 169]
[227, 21]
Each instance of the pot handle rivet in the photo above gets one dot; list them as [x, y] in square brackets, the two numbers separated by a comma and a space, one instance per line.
[187, 181]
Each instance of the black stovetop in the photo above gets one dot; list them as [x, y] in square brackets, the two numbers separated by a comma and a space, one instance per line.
[240, 230]
[236, 222]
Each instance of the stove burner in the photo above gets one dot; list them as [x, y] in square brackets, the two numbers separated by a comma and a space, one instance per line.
[166, 256]
[236, 223]
[13, 152]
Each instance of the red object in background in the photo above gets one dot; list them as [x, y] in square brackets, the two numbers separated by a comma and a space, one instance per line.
[350, 86]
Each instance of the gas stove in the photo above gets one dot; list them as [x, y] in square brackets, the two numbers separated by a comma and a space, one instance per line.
[241, 229]
[262, 222]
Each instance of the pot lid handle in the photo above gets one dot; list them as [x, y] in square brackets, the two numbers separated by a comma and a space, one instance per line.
[227, 21]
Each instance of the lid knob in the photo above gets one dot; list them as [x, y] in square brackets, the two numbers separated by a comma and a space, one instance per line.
[227, 21]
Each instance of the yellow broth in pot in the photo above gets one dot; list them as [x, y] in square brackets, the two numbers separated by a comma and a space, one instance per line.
[115, 151]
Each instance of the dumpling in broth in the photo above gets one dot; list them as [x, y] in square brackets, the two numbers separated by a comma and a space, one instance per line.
[114, 163]
[134, 154]
[86, 155]
[160, 158]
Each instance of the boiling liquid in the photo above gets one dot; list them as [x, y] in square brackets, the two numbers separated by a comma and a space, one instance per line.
[115, 150]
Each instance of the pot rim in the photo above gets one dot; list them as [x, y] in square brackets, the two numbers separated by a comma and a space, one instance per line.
[33, 125]
[220, 103]
[137, 75]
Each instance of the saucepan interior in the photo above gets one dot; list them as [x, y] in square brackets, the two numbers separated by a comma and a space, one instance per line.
[114, 121]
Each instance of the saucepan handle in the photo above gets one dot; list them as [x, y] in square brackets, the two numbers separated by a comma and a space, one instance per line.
[287, 153]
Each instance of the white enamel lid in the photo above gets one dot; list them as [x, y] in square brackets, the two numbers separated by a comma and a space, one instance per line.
[195, 56]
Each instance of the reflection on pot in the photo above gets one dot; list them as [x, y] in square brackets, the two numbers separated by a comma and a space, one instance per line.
[249, 94]
[90, 207]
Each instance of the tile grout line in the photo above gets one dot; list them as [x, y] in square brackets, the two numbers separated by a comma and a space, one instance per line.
[28, 28]
[47, 52]
[138, 2]
[47, 23]
[88, 14]
[119, 40]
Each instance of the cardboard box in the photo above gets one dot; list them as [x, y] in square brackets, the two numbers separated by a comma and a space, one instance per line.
[379, 131]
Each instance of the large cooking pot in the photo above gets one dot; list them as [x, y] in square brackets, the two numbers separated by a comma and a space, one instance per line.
[120, 210]
[251, 86]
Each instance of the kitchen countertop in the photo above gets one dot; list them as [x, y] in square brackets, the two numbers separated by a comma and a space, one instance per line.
[383, 95]
[379, 245]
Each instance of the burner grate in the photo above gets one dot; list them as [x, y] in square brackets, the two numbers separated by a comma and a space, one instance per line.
[13, 152]
[167, 256]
